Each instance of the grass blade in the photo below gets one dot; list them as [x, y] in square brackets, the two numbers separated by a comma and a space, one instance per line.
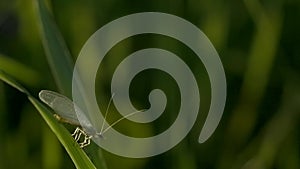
[77, 155]
[60, 60]
[57, 53]
[9, 80]
[79, 158]
[28, 76]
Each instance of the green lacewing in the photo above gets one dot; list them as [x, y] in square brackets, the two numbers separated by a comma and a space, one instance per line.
[66, 112]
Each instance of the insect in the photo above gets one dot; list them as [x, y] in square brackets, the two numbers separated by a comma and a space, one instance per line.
[66, 112]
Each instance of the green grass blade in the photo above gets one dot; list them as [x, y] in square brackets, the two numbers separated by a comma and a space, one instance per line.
[58, 55]
[28, 76]
[77, 155]
[9, 80]
[59, 59]
[79, 158]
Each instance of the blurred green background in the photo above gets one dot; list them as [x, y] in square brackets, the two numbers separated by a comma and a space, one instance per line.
[258, 43]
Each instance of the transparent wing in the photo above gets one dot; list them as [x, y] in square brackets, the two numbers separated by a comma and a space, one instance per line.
[64, 107]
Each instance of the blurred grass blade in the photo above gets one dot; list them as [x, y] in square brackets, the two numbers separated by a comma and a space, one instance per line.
[77, 155]
[59, 58]
[9, 80]
[58, 55]
[13, 67]
[79, 158]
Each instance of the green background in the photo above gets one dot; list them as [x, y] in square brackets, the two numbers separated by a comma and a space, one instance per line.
[258, 43]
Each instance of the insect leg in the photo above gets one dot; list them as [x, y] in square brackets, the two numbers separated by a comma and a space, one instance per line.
[77, 133]
[86, 141]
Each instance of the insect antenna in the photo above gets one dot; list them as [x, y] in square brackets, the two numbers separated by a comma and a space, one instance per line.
[102, 131]
[124, 117]
[106, 112]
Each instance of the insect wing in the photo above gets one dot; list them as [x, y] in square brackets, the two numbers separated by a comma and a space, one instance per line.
[63, 106]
